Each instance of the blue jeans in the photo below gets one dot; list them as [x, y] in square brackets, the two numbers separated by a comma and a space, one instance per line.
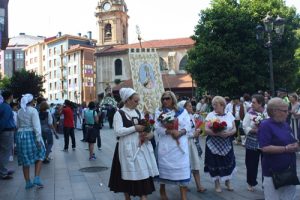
[6, 146]
[48, 141]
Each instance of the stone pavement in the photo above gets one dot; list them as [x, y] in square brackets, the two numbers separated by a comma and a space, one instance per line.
[64, 181]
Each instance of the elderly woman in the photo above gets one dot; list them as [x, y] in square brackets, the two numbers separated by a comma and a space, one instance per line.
[134, 164]
[194, 145]
[251, 123]
[278, 146]
[29, 143]
[173, 153]
[219, 155]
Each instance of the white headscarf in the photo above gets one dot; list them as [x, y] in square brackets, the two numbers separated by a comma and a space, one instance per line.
[25, 100]
[180, 104]
[125, 93]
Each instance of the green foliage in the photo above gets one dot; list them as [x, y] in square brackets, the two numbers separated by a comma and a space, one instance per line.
[4, 82]
[23, 82]
[227, 59]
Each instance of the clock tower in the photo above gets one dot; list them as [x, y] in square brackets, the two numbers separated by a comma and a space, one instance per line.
[112, 22]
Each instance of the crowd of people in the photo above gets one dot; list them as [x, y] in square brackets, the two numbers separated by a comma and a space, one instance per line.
[163, 146]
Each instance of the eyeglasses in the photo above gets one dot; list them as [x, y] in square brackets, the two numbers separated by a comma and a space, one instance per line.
[165, 98]
[285, 111]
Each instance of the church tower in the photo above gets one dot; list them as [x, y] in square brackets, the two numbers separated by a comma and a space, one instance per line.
[112, 22]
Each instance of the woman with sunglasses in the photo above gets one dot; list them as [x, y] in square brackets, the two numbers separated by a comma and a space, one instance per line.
[134, 164]
[173, 153]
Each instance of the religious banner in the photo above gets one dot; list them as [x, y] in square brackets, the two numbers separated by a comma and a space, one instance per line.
[146, 77]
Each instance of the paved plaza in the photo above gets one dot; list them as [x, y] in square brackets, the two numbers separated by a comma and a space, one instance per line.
[64, 181]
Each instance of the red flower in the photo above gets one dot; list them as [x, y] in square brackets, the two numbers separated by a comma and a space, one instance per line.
[224, 124]
[151, 121]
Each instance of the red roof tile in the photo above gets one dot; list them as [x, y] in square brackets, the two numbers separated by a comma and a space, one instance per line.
[168, 43]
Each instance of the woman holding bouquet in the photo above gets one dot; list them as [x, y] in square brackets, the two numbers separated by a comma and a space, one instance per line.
[172, 125]
[250, 125]
[219, 155]
[194, 144]
[134, 164]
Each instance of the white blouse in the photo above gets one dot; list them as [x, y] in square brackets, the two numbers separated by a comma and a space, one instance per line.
[29, 120]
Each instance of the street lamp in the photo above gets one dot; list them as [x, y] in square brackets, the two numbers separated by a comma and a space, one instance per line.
[268, 28]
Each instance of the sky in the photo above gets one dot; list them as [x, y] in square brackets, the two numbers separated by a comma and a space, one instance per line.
[157, 19]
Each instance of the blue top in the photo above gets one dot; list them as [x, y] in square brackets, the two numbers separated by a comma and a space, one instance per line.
[275, 133]
[6, 117]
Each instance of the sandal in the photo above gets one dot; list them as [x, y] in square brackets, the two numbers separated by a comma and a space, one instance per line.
[228, 186]
[201, 189]
[250, 188]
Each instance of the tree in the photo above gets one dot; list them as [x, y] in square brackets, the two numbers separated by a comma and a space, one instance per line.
[23, 82]
[4, 82]
[227, 59]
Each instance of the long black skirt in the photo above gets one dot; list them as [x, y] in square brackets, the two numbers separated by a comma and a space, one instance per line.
[133, 188]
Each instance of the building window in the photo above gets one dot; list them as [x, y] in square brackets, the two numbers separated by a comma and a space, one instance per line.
[50, 77]
[55, 86]
[50, 52]
[75, 69]
[54, 62]
[69, 70]
[183, 63]
[107, 31]
[75, 82]
[162, 64]
[118, 67]
[69, 97]
[55, 76]
[8, 56]
[70, 82]
[51, 97]
[50, 86]
[50, 63]
[54, 51]
[44, 57]
[35, 59]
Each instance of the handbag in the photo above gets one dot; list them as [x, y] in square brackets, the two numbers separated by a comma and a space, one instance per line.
[285, 178]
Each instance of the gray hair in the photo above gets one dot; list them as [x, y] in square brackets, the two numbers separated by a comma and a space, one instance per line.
[220, 100]
[274, 104]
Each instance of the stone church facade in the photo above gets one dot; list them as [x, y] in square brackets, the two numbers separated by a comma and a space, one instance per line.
[112, 53]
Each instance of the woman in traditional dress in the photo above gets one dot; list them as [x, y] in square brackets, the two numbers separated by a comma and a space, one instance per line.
[295, 111]
[173, 152]
[219, 155]
[194, 145]
[251, 123]
[134, 164]
[29, 143]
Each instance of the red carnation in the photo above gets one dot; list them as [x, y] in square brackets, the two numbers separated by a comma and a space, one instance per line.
[151, 121]
[224, 124]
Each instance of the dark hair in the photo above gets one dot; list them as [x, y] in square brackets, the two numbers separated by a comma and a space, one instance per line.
[68, 103]
[6, 94]
[247, 97]
[259, 98]
[91, 105]
[39, 100]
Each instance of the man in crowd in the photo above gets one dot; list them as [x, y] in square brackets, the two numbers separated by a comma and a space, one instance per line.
[7, 128]
[68, 125]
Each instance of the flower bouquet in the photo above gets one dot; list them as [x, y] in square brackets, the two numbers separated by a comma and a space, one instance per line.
[149, 127]
[216, 125]
[258, 119]
[170, 122]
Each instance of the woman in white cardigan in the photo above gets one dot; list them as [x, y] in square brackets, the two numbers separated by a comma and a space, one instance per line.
[134, 164]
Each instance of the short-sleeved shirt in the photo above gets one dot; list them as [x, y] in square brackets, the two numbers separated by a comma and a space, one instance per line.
[68, 117]
[275, 133]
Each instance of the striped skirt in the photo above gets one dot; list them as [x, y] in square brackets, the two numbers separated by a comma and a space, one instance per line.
[27, 149]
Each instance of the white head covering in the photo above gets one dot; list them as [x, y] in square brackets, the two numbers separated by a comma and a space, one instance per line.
[180, 104]
[25, 100]
[125, 93]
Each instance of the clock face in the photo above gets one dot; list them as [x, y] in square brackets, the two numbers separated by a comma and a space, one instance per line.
[106, 6]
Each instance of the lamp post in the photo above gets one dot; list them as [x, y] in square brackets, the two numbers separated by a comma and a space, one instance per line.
[278, 25]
